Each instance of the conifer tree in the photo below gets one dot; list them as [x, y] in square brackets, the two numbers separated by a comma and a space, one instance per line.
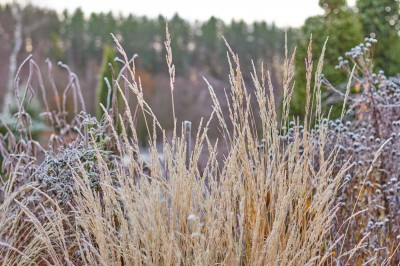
[103, 95]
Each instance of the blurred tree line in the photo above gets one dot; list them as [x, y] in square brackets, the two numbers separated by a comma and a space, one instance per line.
[83, 42]
[77, 38]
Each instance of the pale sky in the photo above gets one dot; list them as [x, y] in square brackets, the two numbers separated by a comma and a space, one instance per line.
[282, 12]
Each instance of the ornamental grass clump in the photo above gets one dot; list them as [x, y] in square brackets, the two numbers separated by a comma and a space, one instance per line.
[92, 200]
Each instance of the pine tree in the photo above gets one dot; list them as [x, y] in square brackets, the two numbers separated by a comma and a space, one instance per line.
[103, 95]
[211, 46]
